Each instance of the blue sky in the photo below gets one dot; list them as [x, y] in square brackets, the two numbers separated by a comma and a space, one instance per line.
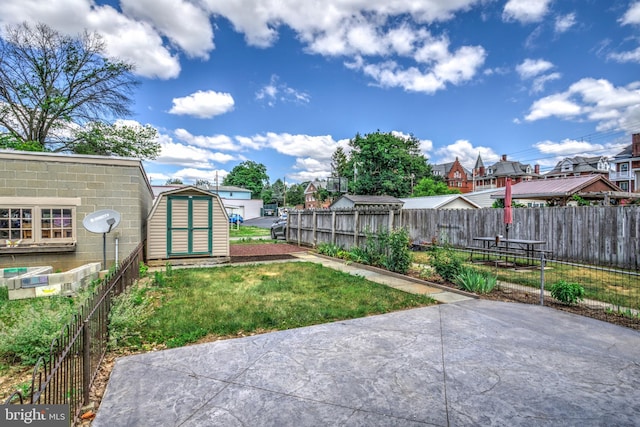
[285, 82]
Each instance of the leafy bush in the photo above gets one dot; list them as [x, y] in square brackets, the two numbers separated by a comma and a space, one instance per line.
[445, 262]
[143, 269]
[328, 249]
[568, 293]
[398, 257]
[30, 337]
[476, 281]
[129, 311]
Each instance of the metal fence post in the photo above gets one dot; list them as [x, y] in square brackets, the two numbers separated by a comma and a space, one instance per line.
[541, 278]
[86, 361]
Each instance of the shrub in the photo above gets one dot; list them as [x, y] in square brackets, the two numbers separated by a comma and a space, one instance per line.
[30, 337]
[328, 249]
[568, 293]
[143, 269]
[399, 256]
[445, 262]
[129, 311]
[476, 281]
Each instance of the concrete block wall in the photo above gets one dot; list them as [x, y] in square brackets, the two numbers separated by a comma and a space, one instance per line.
[99, 183]
[40, 285]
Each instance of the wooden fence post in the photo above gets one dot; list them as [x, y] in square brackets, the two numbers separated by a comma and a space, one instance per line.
[355, 227]
[333, 227]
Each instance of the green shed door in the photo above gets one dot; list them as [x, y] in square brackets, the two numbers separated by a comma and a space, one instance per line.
[189, 225]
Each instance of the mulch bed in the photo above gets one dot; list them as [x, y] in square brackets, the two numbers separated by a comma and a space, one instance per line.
[263, 252]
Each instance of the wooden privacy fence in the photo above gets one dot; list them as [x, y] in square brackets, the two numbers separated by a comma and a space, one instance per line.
[601, 235]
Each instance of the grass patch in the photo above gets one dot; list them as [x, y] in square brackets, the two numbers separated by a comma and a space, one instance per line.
[223, 301]
[248, 231]
[600, 284]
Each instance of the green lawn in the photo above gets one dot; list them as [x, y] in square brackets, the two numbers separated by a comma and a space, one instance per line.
[248, 231]
[231, 300]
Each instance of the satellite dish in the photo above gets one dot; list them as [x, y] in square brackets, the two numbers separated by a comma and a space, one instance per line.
[102, 221]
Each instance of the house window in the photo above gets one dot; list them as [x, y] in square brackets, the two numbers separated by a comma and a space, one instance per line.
[624, 167]
[16, 224]
[456, 174]
[490, 171]
[30, 223]
[624, 186]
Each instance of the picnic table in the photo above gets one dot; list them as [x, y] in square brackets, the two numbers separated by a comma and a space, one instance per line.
[510, 246]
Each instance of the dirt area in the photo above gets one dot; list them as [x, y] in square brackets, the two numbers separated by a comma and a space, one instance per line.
[263, 252]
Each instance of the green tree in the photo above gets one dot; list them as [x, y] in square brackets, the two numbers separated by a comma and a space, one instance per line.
[295, 194]
[278, 192]
[174, 181]
[250, 175]
[62, 94]
[386, 164]
[431, 187]
[340, 165]
[203, 183]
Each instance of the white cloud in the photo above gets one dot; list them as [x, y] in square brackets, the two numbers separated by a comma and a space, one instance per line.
[567, 147]
[540, 81]
[203, 104]
[466, 153]
[214, 142]
[564, 23]
[191, 175]
[629, 56]
[274, 92]
[525, 11]
[632, 15]
[595, 100]
[530, 68]
[126, 38]
[308, 169]
[192, 32]
[174, 153]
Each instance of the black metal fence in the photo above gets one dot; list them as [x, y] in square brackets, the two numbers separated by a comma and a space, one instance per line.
[606, 288]
[66, 374]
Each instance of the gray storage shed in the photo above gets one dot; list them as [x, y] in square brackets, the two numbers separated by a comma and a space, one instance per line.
[188, 223]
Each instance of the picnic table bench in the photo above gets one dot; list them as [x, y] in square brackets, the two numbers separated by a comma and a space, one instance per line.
[515, 247]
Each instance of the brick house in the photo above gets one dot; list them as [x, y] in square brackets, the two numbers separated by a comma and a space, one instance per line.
[625, 166]
[456, 176]
[580, 166]
[311, 196]
[495, 176]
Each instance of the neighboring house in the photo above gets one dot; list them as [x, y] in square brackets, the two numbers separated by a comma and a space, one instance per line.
[45, 196]
[495, 176]
[349, 201]
[580, 166]
[311, 196]
[188, 222]
[560, 191]
[625, 166]
[449, 201]
[456, 176]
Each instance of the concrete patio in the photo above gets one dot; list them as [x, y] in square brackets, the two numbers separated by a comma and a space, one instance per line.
[472, 362]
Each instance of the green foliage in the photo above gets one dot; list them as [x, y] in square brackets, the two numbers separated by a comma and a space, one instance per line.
[472, 280]
[295, 194]
[129, 311]
[278, 192]
[250, 175]
[11, 142]
[445, 262]
[328, 249]
[29, 337]
[174, 181]
[62, 92]
[159, 278]
[398, 255]
[143, 269]
[581, 201]
[168, 268]
[118, 139]
[4, 293]
[386, 164]
[568, 293]
[431, 187]
[385, 249]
